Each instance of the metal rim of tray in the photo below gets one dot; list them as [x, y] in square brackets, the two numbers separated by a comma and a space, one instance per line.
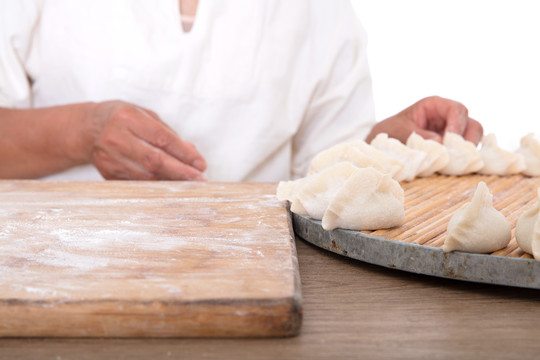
[420, 259]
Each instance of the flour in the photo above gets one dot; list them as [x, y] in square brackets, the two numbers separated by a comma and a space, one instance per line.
[166, 242]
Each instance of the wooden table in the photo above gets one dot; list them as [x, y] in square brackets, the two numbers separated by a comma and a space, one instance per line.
[351, 310]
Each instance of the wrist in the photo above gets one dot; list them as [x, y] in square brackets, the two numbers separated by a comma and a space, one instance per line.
[84, 124]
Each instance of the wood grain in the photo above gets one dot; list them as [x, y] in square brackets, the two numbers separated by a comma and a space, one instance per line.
[431, 202]
[157, 259]
[352, 310]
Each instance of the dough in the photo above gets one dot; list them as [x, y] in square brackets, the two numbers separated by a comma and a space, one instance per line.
[463, 157]
[477, 226]
[369, 200]
[498, 161]
[346, 196]
[391, 166]
[530, 149]
[413, 159]
[528, 230]
[343, 152]
[436, 154]
[287, 190]
[311, 195]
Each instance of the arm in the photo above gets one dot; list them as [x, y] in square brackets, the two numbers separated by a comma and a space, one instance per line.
[122, 140]
[430, 117]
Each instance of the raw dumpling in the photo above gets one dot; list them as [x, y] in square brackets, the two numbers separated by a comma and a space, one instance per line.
[530, 149]
[477, 226]
[464, 158]
[413, 159]
[287, 190]
[498, 161]
[437, 156]
[528, 230]
[346, 196]
[368, 200]
[343, 152]
[391, 166]
[310, 196]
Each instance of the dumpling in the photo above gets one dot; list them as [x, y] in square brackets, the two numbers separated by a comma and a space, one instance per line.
[463, 157]
[530, 149]
[343, 152]
[498, 161]
[391, 166]
[413, 159]
[346, 196]
[368, 200]
[437, 156]
[310, 196]
[287, 190]
[528, 230]
[477, 226]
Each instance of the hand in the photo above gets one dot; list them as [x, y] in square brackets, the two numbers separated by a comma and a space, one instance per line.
[129, 142]
[430, 117]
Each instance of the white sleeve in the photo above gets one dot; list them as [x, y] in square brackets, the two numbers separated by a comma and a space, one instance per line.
[18, 21]
[341, 106]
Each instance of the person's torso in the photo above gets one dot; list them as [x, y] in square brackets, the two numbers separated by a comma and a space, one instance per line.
[232, 86]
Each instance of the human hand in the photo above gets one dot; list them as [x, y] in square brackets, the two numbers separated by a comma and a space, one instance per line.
[125, 141]
[430, 117]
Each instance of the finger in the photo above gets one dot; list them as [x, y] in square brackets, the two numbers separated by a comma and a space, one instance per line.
[456, 115]
[111, 168]
[153, 115]
[442, 115]
[429, 135]
[159, 135]
[456, 120]
[162, 165]
[120, 154]
[395, 126]
[474, 131]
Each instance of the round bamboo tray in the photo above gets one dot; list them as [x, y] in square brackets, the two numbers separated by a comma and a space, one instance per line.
[416, 246]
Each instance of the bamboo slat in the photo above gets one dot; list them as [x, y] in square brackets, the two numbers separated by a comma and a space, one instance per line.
[430, 203]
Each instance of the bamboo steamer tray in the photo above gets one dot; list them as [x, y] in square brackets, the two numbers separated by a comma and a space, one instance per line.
[416, 246]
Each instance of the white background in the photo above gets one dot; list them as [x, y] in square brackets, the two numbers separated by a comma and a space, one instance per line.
[485, 54]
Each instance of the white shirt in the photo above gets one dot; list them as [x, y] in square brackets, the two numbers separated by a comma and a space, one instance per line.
[258, 86]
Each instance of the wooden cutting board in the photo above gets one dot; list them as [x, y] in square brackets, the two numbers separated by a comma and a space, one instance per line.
[146, 259]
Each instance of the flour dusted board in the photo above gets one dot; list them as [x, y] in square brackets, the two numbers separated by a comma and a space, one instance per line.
[146, 259]
[416, 245]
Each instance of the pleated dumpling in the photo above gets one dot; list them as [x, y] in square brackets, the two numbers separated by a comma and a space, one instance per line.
[390, 165]
[477, 226]
[287, 190]
[310, 196]
[346, 196]
[343, 152]
[412, 159]
[436, 158]
[369, 200]
[498, 161]
[528, 230]
[530, 149]
[464, 158]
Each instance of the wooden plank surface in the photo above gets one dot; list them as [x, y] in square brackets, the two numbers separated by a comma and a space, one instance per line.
[352, 310]
[144, 259]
